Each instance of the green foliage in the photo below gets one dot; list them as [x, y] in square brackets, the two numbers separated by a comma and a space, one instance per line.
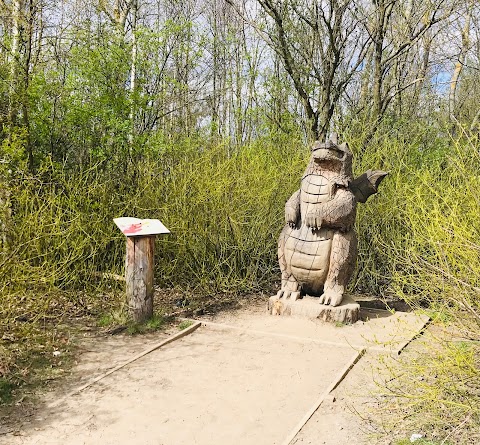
[184, 325]
[421, 442]
[12, 151]
[422, 226]
[435, 391]
[224, 212]
[423, 245]
[6, 388]
[153, 324]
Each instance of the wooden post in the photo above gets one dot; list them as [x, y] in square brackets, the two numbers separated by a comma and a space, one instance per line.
[139, 276]
[140, 235]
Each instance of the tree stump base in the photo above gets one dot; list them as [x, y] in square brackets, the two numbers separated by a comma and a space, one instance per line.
[308, 307]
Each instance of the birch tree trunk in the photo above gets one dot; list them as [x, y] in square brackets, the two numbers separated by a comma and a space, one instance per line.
[133, 76]
[26, 68]
[15, 58]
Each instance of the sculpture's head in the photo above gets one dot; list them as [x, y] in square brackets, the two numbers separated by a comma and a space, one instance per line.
[333, 157]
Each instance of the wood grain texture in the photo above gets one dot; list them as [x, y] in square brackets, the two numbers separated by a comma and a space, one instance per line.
[347, 312]
[139, 276]
[317, 248]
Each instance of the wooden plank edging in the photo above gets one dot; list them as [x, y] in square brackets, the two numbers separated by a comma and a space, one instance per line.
[216, 325]
[338, 379]
[420, 332]
[168, 340]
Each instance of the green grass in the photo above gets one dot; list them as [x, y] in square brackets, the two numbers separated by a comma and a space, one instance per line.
[421, 442]
[106, 320]
[153, 324]
[6, 389]
[184, 325]
[434, 390]
[114, 318]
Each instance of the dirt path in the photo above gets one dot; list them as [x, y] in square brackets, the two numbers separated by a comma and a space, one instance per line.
[241, 378]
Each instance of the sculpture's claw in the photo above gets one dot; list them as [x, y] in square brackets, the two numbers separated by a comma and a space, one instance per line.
[291, 217]
[325, 298]
[294, 296]
[331, 297]
[336, 300]
[313, 221]
[284, 293]
[310, 220]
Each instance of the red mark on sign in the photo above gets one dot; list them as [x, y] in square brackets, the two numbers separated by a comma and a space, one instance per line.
[134, 228]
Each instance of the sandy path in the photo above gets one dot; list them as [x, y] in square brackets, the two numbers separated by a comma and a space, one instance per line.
[247, 379]
[206, 388]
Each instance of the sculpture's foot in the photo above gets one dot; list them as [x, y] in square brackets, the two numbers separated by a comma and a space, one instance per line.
[333, 297]
[288, 294]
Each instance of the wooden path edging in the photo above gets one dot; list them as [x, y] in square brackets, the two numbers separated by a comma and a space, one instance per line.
[168, 340]
[336, 381]
[223, 326]
[418, 334]
[394, 351]
[360, 352]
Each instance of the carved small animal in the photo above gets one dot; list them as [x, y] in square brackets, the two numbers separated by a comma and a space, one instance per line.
[317, 248]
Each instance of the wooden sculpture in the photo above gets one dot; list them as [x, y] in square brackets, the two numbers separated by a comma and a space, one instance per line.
[318, 246]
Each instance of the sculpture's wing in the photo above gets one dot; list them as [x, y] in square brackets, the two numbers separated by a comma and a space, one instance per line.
[367, 184]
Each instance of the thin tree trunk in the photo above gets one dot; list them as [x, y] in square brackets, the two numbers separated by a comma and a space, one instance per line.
[15, 59]
[378, 59]
[459, 65]
[133, 76]
[427, 45]
[365, 80]
[26, 84]
[5, 215]
[17, 8]
[239, 123]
